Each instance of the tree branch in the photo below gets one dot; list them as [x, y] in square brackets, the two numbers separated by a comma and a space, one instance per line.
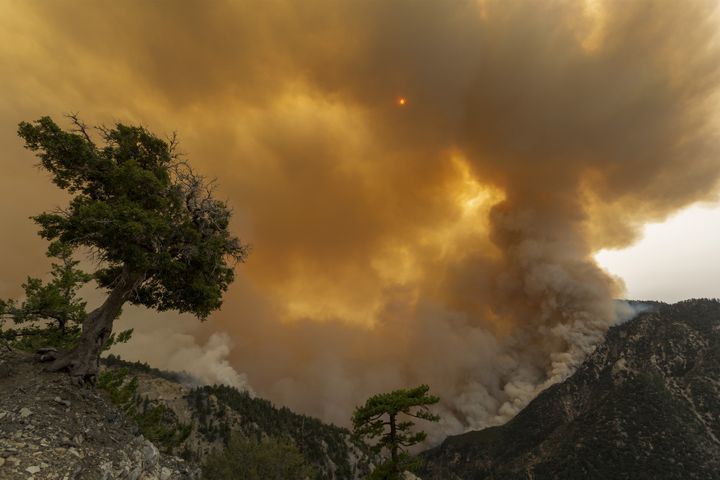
[80, 127]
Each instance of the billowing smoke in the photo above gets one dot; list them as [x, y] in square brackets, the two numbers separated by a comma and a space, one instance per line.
[180, 352]
[447, 240]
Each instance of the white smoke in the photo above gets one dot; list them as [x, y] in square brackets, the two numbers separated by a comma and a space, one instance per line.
[180, 351]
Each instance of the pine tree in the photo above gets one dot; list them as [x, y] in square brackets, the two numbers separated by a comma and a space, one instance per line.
[161, 238]
[51, 311]
[383, 419]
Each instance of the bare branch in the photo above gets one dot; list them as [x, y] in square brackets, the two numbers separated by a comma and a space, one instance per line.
[80, 127]
[106, 133]
[173, 145]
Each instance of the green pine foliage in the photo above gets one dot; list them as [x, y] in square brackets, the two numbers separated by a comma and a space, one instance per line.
[384, 421]
[269, 459]
[51, 312]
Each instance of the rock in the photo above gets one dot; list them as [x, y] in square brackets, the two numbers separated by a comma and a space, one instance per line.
[135, 474]
[47, 350]
[106, 470]
[47, 354]
[51, 430]
[150, 454]
[113, 417]
[72, 451]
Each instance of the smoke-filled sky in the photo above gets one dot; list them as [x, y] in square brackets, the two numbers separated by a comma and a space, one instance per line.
[448, 238]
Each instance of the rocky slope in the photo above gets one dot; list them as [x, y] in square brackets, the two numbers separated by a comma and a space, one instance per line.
[144, 424]
[644, 405]
[50, 429]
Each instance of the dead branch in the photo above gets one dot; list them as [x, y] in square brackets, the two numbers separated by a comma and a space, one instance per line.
[80, 127]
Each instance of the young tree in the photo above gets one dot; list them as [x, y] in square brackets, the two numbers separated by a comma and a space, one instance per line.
[380, 419]
[160, 237]
[56, 300]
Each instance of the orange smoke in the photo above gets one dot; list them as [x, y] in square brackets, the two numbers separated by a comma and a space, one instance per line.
[450, 244]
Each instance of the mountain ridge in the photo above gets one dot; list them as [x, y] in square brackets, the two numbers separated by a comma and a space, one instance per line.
[644, 404]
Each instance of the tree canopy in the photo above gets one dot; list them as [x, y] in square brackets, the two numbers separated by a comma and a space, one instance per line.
[379, 421]
[138, 206]
[160, 237]
[269, 459]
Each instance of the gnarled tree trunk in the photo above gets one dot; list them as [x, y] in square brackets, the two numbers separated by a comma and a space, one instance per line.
[83, 361]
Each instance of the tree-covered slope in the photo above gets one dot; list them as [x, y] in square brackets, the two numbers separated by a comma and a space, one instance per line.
[195, 421]
[219, 411]
[645, 404]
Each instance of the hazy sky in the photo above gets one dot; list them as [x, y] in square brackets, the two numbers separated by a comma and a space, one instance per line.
[448, 239]
[674, 260]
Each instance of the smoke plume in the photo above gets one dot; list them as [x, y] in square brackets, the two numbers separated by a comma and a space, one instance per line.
[446, 239]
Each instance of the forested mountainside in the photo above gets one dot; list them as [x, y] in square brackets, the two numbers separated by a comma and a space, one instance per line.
[199, 419]
[644, 405]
